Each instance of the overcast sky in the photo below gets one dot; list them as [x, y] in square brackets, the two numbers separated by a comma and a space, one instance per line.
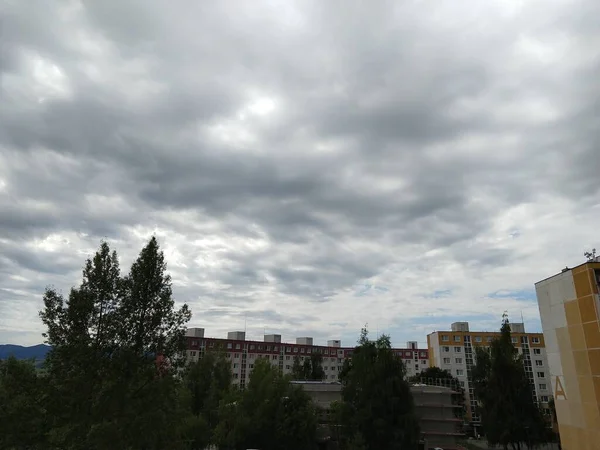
[308, 167]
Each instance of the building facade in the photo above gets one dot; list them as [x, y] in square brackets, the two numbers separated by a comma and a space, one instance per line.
[244, 353]
[570, 311]
[454, 350]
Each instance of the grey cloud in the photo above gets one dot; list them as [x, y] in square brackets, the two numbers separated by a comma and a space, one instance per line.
[397, 90]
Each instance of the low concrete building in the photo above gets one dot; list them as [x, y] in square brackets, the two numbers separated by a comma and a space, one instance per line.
[436, 407]
[439, 414]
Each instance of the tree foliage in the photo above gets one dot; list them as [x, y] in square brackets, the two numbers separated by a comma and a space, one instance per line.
[22, 412]
[377, 409]
[311, 369]
[106, 338]
[271, 414]
[510, 416]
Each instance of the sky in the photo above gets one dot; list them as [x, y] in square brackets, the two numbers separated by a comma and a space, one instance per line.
[308, 167]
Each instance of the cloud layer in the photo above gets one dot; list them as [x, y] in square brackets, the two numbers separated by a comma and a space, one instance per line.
[307, 166]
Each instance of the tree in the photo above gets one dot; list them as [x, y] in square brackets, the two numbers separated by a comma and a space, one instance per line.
[206, 383]
[81, 331]
[311, 369]
[22, 414]
[104, 387]
[377, 405]
[509, 413]
[591, 256]
[271, 414]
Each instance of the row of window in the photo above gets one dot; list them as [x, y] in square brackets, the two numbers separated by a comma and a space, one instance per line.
[301, 350]
[446, 338]
[536, 351]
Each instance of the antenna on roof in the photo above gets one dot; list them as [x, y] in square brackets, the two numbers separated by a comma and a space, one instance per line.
[522, 321]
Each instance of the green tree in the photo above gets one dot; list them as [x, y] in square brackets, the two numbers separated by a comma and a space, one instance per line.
[311, 369]
[271, 414]
[377, 405]
[510, 416]
[104, 387]
[206, 383]
[81, 331]
[22, 413]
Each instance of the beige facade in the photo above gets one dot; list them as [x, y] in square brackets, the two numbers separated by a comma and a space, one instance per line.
[454, 351]
[570, 310]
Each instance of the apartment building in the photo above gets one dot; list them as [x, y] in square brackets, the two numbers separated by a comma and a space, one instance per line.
[454, 350]
[244, 353]
[570, 311]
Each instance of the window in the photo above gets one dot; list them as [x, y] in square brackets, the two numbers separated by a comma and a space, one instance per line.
[445, 338]
[308, 350]
[276, 348]
[236, 376]
[477, 338]
[237, 346]
[514, 340]
[252, 356]
[407, 354]
[423, 362]
[456, 338]
[229, 355]
[302, 350]
[287, 367]
[229, 345]
[541, 375]
[235, 365]
[332, 359]
[252, 366]
[287, 358]
[457, 349]
[295, 349]
[274, 357]
[535, 340]
[446, 360]
[542, 386]
[252, 347]
[458, 360]
[325, 368]
[288, 349]
[423, 355]
[545, 398]
[537, 351]
[459, 372]
[488, 339]
[237, 355]
[538, 362]
[446, 349]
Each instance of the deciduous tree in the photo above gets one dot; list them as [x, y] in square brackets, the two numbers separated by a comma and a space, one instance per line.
[377, 405]
[510, 416]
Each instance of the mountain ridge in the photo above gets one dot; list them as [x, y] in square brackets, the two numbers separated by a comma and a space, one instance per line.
[37, 352]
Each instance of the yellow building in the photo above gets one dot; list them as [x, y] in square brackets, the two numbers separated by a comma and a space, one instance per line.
[454, 351]
[570, 311]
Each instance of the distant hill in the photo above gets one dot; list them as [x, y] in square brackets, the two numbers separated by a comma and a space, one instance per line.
[37, 352]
